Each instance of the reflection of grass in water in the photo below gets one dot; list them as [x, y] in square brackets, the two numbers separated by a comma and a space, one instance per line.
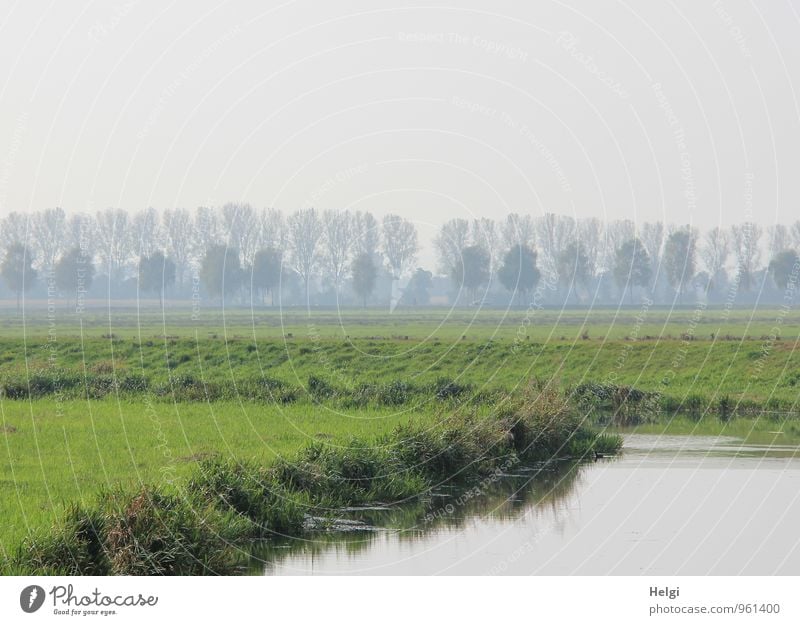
[506, 499]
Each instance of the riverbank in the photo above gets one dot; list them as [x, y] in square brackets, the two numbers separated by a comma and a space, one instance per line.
[58, 453]
[668, 505]
[189, 529]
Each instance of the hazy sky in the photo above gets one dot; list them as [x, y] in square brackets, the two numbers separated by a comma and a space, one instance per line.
[681, 111]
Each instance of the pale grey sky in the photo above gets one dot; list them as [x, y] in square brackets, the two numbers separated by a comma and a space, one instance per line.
[681, 111]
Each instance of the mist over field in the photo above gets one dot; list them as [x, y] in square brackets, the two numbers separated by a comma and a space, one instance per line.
[357, 287]
[682, 113]
[335, 152]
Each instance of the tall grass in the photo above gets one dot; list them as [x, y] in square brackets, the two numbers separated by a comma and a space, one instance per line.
[147, 532]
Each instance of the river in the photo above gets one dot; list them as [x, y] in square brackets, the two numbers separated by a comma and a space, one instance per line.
[668, 505]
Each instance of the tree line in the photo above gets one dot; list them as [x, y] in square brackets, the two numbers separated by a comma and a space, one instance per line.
[239, 253]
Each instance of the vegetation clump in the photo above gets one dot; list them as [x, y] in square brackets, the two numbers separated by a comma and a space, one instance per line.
[148, 532]
[251, 492]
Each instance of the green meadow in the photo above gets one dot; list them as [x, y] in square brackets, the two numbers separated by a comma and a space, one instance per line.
[126, 399]
[56, 453]
[685, 354]
[540, 324]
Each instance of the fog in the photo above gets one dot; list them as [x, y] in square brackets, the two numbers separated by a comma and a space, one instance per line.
[679, 112]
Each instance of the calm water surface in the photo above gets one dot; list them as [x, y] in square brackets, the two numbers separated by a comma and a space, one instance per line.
[668, 505]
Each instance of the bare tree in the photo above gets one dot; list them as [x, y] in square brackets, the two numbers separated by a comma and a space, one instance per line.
[80, 229]
[111, 237]
[399, 244]
[554, 234]
[206, 230]
[453, 237]
[15, 228]
[714, 251]
[145, 233]
[652, 236]
[178, 236]
[617, 233]
[486, 235]
[746, 238]
[366, 234]
[240, 229]
[271, 229]
[518, 230]
[337, 243]
[305, 233]
[779, 239]
[48, 238]
[679, 255]
[576, 250]
[794, 233]
[590, 240]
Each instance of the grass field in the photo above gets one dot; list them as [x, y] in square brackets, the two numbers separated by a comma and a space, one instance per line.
[57, 454]
[139, 398]
[745, 355]
[539, 324]
[158, 517]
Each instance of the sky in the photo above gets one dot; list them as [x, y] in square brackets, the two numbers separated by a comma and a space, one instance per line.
[686, 112]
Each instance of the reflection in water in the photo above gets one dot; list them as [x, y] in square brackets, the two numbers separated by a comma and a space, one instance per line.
[669, 505]
[449, 508]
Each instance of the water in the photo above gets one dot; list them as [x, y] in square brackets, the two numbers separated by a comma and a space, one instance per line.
[668, 505]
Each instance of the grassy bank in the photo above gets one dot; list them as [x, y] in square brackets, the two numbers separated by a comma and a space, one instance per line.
[189, 529]
[510, 498]
[56, 453]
